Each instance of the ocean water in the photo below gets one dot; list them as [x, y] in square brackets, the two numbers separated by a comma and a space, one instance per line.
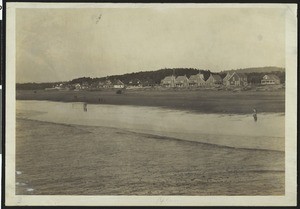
[240, 131]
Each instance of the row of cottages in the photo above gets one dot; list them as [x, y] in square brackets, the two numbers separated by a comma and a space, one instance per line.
[194, 80]
[117, 84]
[235, 79]
[231, 79]
[172, 81]
[270, 80]
[82, 86]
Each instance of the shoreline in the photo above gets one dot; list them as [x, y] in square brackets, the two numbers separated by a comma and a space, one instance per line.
[222, 114]
[196, 101]
[171, 137]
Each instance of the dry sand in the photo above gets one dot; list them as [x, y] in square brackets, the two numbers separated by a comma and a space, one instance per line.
[56, 159]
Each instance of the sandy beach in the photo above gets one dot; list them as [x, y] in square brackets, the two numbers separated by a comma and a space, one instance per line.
[198, 100]
[88, 160]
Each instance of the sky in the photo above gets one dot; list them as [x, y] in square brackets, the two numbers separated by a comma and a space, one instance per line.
[63, 44]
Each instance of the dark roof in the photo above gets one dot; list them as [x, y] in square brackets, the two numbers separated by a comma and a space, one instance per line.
[118, 82]
[181, 78]
[107, 82]
[228, 76]
[272, 77]
[242, 75]
[216, 77]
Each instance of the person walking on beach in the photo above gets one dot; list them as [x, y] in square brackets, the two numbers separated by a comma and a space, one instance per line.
[85, 107]
[254, 114]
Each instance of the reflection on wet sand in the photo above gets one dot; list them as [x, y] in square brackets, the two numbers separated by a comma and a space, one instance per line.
[238, 131]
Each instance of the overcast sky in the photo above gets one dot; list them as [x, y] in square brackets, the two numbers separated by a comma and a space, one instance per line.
[63, 44]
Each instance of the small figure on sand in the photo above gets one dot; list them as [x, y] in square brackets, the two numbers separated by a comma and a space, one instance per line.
[254, 114]
[85, 107]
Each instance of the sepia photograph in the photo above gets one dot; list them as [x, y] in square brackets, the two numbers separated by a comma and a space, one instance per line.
[151, 104]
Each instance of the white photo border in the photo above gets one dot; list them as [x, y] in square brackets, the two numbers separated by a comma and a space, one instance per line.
[290, 197]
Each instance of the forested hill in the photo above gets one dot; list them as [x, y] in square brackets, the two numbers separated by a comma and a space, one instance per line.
[143, 77]
[154, 77]
[257, 70]
[149, 77]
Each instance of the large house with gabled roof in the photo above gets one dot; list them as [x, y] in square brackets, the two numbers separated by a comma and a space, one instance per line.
[270, 80]
[214, 79]
[117, 84]
[168, 81]
[197, 80]
[107, 84]
[182, 81]
[235, 79]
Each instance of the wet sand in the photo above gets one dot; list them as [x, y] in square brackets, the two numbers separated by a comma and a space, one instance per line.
[56, 159]
[239, 131]
[198, 100]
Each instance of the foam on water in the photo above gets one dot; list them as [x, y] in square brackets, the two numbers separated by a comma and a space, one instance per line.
[229, 130]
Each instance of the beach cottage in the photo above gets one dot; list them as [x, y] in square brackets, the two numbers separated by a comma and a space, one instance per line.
[117, 84]
[100, 84]
[228, 75]
[77, 87]
[182, 81]
[197, 80]
[107, 84]
[135, 82]
[168, 81]
[235, 79]
[85, 85]
[214, 79]
[270, 80]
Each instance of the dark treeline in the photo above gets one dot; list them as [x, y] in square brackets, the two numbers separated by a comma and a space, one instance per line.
[35, 86]
[255, 77]
[267, 69]
[155, 77]
[84, 80]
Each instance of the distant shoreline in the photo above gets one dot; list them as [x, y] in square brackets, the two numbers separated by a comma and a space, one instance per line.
[208, 101]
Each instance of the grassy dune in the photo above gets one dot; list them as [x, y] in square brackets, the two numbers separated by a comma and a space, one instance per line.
[207, 101]
[55, 159]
